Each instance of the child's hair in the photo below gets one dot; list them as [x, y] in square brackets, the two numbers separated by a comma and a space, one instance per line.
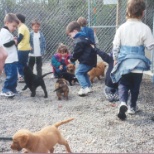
[62, 48]
[10, 17]
[135, 8]
[35, 22]
[21, 17]
[72, 26]
[82, 21]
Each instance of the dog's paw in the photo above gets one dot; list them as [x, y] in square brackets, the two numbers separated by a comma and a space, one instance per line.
[32, 95]
[45, 96]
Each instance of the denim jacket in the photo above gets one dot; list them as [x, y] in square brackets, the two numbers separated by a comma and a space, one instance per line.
[42, 42]
[129, 59]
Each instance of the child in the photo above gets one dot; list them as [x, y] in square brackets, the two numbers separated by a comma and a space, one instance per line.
[111, 89]
[59, 61]
[38, 44]
[23, 45]
[129, 44]
[88, 31]
[84, 53]
[9, 43]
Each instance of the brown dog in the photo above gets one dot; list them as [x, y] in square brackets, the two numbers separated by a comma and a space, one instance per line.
[71, 68]
[61, 88]
[42, 141]
[97, 71]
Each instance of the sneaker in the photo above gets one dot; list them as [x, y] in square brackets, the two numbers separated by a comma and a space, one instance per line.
[83, 92]
[109, 96]
[8, 94]
[122, 111]
[116, 97]
[21, 79]
[88, 89]
[132, 110]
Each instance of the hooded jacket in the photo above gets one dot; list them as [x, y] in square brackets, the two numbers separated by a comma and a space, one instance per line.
[83, 51]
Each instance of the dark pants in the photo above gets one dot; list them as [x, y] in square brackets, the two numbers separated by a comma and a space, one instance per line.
[38, 62]
[10, 83]
[130, 82]
[23, 59]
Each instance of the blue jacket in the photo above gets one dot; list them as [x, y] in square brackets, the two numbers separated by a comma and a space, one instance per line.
[83, 51]
[89, 33]
[129, 59]
[42, 42]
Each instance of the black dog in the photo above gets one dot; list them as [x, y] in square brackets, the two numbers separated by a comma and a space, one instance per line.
[69, 77]
[33, 81]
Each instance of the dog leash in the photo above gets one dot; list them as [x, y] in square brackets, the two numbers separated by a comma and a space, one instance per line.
[6, 138]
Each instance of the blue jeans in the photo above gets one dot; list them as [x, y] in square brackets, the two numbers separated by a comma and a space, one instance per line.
[23, 60]
[10, 83]
[82, 76]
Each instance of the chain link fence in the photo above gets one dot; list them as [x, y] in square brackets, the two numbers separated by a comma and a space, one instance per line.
[103, 15]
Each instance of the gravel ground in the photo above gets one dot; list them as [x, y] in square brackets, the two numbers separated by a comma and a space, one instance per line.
[95, 129]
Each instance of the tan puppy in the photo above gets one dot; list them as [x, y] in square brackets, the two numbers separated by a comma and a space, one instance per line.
[61, 87]
[97, 71]
[71, 68]
[42, 141]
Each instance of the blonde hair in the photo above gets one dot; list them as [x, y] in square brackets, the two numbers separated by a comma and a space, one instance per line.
[135, 8]
[62, 48]
[82, 21]
[10, 17]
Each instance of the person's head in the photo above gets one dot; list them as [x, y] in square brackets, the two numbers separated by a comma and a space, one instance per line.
[82, 21]
[135, 9]
[72, 29]
[62, 49]
[21, 17]
[11, 21]
[35, 25]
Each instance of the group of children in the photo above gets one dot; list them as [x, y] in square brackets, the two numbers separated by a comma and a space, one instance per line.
[27, 48]
[126, 62]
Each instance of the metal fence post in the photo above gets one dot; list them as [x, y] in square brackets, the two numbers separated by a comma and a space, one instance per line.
[117, 14]
[152, 56]
[89, 22]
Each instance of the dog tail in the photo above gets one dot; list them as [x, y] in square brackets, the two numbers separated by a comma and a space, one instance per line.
[63, 122]
[46, 74]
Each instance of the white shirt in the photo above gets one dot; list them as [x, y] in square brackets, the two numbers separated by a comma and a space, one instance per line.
[36, 45]
[133, 33]
[5, 37]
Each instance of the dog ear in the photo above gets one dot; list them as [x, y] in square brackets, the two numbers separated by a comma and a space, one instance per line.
[24, 140]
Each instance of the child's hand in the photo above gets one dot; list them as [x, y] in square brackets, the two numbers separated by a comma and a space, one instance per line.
[115, 62]
[92, 46]
[31, 48]
[69, 61]
[15, 40]
[61, 67]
